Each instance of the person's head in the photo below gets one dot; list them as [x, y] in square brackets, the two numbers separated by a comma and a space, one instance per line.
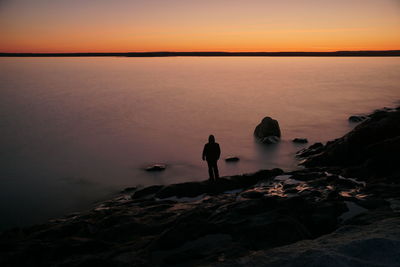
[211, 139]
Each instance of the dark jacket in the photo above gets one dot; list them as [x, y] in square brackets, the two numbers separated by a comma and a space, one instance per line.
[211, 151]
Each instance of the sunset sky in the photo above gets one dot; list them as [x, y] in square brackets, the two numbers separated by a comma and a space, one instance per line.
[204, 25]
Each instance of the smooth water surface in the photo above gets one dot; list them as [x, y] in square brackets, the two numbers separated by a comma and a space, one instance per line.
[75, 130]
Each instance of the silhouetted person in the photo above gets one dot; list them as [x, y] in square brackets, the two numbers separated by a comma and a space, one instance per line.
[211, 153]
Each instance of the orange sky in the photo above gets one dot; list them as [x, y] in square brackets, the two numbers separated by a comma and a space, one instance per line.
[192, 25]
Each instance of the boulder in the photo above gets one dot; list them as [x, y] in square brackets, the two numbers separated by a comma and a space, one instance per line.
[267, 128]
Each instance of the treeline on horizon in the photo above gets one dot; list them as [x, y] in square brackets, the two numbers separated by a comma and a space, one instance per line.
[213, 54]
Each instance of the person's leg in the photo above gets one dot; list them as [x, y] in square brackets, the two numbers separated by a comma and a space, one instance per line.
[216, 173]
[210, 170]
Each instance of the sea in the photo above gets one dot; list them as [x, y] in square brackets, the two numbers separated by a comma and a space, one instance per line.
[77, 130]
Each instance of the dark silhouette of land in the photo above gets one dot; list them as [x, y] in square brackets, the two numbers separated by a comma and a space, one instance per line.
[386, 53]
[211, 154]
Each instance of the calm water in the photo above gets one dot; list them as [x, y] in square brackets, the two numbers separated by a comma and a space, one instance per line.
[75, 130]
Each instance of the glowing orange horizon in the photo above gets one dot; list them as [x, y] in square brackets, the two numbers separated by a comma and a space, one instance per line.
[241, 43]
[186, 26]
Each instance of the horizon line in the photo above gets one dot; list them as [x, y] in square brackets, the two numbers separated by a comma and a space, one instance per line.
[211, 53]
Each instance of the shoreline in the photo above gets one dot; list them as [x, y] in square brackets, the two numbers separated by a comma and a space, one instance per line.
[346, 191]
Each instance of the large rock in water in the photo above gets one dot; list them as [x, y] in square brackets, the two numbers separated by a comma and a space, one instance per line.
[267, 129]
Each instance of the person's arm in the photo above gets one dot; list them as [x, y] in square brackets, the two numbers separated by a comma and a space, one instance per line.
[218, 152]
[204, 153]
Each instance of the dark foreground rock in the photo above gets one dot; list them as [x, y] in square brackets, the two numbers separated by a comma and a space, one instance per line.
[193, 189]
[370, 151]
[375, 244]
[197, 223]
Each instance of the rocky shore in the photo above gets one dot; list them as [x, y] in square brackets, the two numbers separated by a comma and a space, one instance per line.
[341, 209]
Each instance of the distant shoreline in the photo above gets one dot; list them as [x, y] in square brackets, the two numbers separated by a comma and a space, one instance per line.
[387, 53]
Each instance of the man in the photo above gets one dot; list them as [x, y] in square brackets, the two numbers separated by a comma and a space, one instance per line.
[211, 153]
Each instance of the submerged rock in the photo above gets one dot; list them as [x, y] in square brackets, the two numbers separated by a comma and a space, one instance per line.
[232, 159]
[266, 129]
[300, 140]
[156, 168]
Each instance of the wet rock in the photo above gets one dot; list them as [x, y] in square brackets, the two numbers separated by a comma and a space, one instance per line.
[306, 175]
[189, 226]
[156, 168]
[357, 118]
[333, 195]
[189, 189]
[311, 150]
[310, 194]
[129, 190]
[209, 246]
[232, 159]
[260, 223]
[324, 217]
[382, 158]
[150, 190]
[291, 191]
[341, 181]
[373, 203]
[193, 189]
[318, 182]
[246, 180]
[252, 194]
[300, 140]
[356, 245]
[265, 230]
[267, 128]
[384, 190]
